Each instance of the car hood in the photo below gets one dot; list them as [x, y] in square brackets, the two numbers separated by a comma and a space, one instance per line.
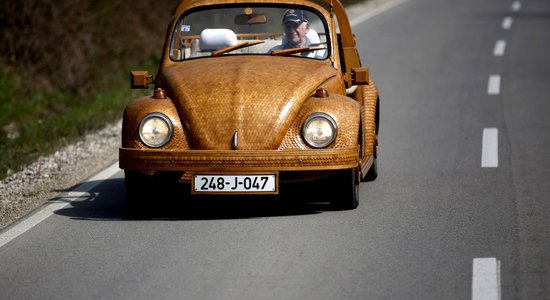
[257, 97]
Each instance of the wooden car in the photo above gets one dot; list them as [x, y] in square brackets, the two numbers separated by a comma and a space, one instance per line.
[253, 96]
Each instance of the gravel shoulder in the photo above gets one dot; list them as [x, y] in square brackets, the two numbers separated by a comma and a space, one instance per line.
[43, 180]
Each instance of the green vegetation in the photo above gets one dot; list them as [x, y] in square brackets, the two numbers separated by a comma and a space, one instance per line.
[64, 68]
[37, 122]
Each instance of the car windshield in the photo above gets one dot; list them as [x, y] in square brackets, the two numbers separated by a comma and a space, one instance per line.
[250, 30]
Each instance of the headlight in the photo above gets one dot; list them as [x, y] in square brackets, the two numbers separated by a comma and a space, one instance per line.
[319, 130]
[155, 130]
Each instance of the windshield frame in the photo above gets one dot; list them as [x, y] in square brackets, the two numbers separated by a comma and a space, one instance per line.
[175, 36]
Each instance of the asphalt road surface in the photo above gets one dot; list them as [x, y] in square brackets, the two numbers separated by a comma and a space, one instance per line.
[459, 210]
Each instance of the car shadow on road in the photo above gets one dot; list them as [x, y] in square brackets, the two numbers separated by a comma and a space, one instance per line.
[106, 202]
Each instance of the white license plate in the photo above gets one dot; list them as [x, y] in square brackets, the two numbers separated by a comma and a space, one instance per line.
[235, 183]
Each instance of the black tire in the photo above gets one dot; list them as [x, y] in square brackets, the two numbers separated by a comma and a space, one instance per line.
[137, 196]
[345, 195]
[372, 174]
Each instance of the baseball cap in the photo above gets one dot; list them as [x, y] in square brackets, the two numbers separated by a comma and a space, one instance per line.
[294, 15]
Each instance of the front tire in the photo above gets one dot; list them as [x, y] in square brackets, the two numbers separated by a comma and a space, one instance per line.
[345, 195]
[138, 196]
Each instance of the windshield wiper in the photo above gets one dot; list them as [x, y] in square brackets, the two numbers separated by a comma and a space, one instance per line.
[235, 47]
[291, 51]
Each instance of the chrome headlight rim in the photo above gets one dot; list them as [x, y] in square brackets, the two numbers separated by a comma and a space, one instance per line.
[332, 123]
[163, 118]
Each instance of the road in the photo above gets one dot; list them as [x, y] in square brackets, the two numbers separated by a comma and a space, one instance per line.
[459, 210]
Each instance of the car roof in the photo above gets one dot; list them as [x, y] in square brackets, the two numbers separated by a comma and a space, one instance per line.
[186, 4]
[329, 6]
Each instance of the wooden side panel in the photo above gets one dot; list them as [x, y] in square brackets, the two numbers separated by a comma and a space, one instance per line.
[368, 117]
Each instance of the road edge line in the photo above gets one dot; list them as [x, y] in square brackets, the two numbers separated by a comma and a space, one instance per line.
[47, 210]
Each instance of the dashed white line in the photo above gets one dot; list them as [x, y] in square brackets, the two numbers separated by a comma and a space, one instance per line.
[507, 23]
[48, 210]
[489, 148]
[493, 86]
[500, 47]
[486, 279]
[516, 6]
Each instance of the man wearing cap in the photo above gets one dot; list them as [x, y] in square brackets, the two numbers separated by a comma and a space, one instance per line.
[296, 27]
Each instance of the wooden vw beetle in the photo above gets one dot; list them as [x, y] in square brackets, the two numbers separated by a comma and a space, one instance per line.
[252, 96]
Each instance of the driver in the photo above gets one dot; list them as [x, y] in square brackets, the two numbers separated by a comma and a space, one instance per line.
[296, 27]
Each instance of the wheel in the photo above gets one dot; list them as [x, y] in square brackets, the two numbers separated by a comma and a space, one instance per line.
[345, 191]
[372, 174]
[137, 196]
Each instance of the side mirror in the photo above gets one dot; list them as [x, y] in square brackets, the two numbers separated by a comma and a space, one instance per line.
[360, 76]
[140, 79]
[250, 19]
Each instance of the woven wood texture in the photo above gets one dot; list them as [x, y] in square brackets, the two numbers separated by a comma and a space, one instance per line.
[185, 5]
[231, 161]
[368, 117]
[345, 112]
[258, 97]
[134, 113]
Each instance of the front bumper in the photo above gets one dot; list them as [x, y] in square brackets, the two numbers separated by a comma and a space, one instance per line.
[237, 160]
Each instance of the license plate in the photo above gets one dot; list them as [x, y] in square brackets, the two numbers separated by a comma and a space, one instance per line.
[235, 183]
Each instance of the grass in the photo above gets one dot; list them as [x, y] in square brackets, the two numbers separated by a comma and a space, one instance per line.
[34, 123]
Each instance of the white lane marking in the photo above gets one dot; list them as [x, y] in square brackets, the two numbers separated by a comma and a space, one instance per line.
[507, 23]
[493, 86]
[486, 279]
[81, 191]
[516, 6]
[382, 8]
[489, 148]
[500, 47]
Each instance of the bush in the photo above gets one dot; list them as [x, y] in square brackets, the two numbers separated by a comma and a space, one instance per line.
[67, 44]
[64, 67]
